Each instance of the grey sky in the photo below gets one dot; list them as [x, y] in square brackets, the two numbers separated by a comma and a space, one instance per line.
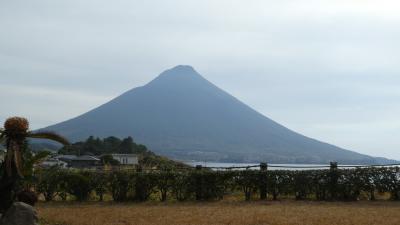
[327, 69]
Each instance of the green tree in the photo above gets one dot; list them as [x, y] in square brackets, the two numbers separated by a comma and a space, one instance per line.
[29, 161]
[99, 181]
[79, 186]
[127, 145]
[52, 182]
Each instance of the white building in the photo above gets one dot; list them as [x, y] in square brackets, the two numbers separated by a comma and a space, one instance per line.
[126, 159]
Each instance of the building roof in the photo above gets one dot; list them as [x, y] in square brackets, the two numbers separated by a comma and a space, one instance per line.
[52, 160]
[65, 157]
[124, 155]
[76, 158]
[85, 158]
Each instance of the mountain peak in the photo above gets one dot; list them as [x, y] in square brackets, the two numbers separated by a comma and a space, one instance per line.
[183, 68]
[180, 70]
[181, 74]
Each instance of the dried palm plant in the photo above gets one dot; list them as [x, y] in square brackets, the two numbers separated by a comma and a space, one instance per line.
[16, 130]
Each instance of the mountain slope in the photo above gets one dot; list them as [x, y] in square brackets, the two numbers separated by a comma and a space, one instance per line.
[182, 115]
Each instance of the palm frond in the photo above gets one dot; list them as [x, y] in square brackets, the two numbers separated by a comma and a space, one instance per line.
[50, 136]
[2, 135]
[2, 139]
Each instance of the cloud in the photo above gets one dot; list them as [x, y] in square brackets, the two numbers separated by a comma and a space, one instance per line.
[328, 69]
[46, 105]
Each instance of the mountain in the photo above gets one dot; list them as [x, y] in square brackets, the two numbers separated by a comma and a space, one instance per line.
[182, 115]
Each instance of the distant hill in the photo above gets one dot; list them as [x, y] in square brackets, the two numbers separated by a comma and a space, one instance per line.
[182, 115]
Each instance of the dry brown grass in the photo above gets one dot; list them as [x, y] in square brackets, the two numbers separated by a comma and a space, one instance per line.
[225, 212]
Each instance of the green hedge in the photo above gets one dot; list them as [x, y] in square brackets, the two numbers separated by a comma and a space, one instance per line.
[204, 184]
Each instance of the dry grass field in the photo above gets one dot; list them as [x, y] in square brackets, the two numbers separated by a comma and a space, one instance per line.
[224, 212]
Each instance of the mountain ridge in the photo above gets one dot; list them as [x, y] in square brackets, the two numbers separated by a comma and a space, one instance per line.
[182, 115]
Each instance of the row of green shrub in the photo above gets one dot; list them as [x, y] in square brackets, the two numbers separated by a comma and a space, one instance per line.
[334, 184]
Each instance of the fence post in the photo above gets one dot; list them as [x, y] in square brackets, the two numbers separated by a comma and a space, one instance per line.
[138, 168]
[334, 176]
[199, 185]
[263, 181]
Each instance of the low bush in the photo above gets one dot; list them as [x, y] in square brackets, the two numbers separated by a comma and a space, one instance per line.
[205, 184]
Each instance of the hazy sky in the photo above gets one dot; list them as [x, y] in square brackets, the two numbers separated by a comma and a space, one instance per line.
[327, 69]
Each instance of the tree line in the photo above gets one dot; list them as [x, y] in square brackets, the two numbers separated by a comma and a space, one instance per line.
[104, 147]
[203, 185]
[98, 146]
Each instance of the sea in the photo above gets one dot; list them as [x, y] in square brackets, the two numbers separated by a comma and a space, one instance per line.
[219, 165]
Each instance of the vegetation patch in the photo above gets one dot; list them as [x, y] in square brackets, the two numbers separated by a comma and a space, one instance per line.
[204, 185]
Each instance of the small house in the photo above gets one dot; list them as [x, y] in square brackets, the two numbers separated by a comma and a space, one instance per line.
[84, 161]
